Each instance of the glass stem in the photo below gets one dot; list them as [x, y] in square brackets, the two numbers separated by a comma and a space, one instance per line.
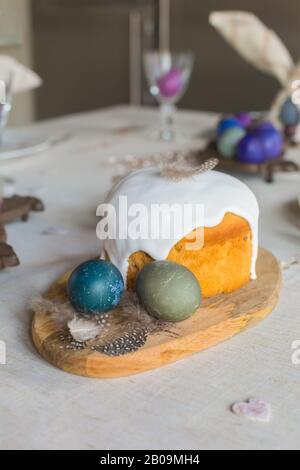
[2, 128]
[167, 112]
[4, 111]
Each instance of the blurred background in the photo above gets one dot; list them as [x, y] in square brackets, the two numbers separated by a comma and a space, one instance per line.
[89, 52]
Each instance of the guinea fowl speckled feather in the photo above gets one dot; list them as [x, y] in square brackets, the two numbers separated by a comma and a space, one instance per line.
[123, 330]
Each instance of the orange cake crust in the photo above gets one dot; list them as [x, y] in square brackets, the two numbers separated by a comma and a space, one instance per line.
[222, 265]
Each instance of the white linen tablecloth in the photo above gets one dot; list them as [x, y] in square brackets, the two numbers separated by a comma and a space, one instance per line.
[185, 405]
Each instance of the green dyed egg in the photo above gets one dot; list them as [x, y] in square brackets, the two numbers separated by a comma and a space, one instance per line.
[168, 291]
[229, 140]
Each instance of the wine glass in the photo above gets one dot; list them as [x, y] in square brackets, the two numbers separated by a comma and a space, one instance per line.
[168, 75]
[6, 82]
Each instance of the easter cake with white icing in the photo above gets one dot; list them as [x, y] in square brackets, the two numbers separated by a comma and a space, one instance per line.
[226, 260]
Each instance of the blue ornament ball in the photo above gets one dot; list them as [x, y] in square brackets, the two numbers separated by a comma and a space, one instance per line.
[264, 126]
[289, 114]
[250, 149]
[272, 141]
[95, 286]
[227, 123]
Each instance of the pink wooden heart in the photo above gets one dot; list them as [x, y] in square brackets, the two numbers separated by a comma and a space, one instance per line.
[254, 410]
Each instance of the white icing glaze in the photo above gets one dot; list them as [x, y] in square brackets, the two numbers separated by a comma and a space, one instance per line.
[219, 193]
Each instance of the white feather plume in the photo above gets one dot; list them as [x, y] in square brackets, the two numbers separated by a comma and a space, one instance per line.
[254, 41]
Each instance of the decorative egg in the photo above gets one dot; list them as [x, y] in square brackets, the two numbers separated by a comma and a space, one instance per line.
[250, 149]
[168, 291]
[227, 123]
[289, 113]
[245, 119]
[95, 286]
[171, 83]
[272, 141]
[228, 141]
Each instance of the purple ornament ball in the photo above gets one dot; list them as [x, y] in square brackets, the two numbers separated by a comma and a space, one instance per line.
[250, 149]
[171, 83]
[245, 119]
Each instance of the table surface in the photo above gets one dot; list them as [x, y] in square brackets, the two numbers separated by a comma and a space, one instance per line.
[185, 405]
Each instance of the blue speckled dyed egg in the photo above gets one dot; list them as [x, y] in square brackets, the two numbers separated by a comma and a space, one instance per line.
[227, 123]
[250, 149]
[95, 286]
[228, 141]
[289, 113]
[168, 291]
